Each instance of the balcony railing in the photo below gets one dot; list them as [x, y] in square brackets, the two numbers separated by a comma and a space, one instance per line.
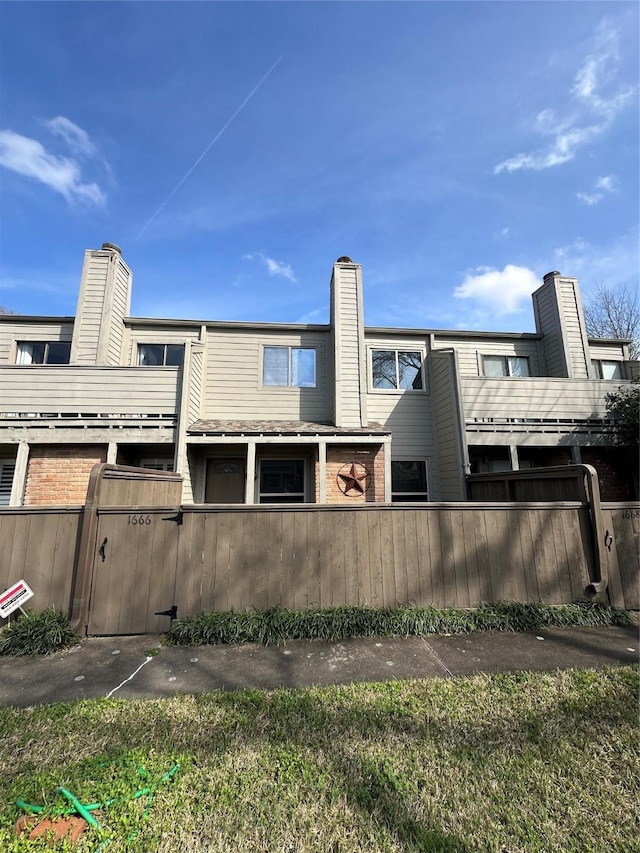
[534, 399]
[72, 391]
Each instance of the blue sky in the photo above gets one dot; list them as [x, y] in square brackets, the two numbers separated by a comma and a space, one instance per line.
[458, 151]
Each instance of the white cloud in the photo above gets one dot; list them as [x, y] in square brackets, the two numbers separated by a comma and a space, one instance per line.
[609, 184]
[274, 267]
[503, 292]
[589, 200]
[28, 157]
[76, 138]
[613, 263]
[595, 99]
[316, 315]
[560, 151]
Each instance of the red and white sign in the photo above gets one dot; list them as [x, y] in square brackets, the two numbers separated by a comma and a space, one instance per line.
[14, 597]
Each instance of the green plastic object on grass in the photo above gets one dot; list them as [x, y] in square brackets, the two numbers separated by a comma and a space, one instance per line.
[84, 810]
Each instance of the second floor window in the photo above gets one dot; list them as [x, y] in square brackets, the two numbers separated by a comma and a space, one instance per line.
[160, 355]
[606, 369]
[289, 367]
[43, 352]
[505, 365]
[396, 369]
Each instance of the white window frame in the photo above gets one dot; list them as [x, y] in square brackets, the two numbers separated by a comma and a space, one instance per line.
[506, 360]
[289, 348]
[396, 348]
[597, 368]
[420, 497]
[164, 344]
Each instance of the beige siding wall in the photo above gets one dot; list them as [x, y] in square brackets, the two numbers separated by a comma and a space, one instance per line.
[608, 352]
[89, 313]
[233, 377]
[101, 390]
[14, 331]
[195, 384]
[409, 417]
[348, 323]
[548, 324]
[470, 352]
[534, 398]
[575, 333]
[447, 425]
[331, 373]
[103, 302]
[120, 304]
[408, 414]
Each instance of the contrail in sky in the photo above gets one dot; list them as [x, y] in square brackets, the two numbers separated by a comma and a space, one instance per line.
[204, 153]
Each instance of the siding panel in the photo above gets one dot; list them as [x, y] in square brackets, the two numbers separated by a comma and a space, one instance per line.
[470, 352]
[446, 424]
[102, 390]
[17, 330]
[535, 398]
[233, 384]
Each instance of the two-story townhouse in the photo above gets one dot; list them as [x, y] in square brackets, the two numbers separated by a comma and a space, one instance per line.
[282, 413]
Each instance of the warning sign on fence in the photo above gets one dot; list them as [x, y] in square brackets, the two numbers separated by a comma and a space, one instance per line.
[14, 597]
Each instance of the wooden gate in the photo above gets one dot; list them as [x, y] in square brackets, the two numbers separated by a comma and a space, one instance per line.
[134, 570]
[621, 524]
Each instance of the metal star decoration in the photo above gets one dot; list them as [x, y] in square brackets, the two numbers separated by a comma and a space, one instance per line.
[353, 479]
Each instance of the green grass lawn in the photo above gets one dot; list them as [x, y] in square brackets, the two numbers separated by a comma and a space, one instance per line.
[524, 762]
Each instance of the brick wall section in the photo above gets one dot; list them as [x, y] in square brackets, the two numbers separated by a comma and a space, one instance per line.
[58, 476]
[370, 457]
[615, 468]
[543, 457]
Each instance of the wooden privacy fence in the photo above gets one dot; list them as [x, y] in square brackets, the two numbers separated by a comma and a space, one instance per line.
[223, 558]
[555, 483]
[133, 552]
[40, 544]
[621, 524]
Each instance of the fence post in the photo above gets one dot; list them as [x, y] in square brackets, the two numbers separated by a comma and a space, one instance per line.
[600, 581]
[81, 583]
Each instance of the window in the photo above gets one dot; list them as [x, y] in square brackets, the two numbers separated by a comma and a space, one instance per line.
[505, 365]
[396, 369]
[157, 464]
[289, 366]
[281, 481]
[160, 355]
[7, 470]
[409, 481]
[606, 369]
[44, 352]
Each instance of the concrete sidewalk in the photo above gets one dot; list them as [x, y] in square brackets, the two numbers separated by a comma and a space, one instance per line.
[140, 667]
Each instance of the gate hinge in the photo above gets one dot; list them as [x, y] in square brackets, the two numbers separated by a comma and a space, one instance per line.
[172, 612]
[178, 517]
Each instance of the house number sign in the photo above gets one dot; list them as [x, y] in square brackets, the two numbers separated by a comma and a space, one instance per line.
[139, 519]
